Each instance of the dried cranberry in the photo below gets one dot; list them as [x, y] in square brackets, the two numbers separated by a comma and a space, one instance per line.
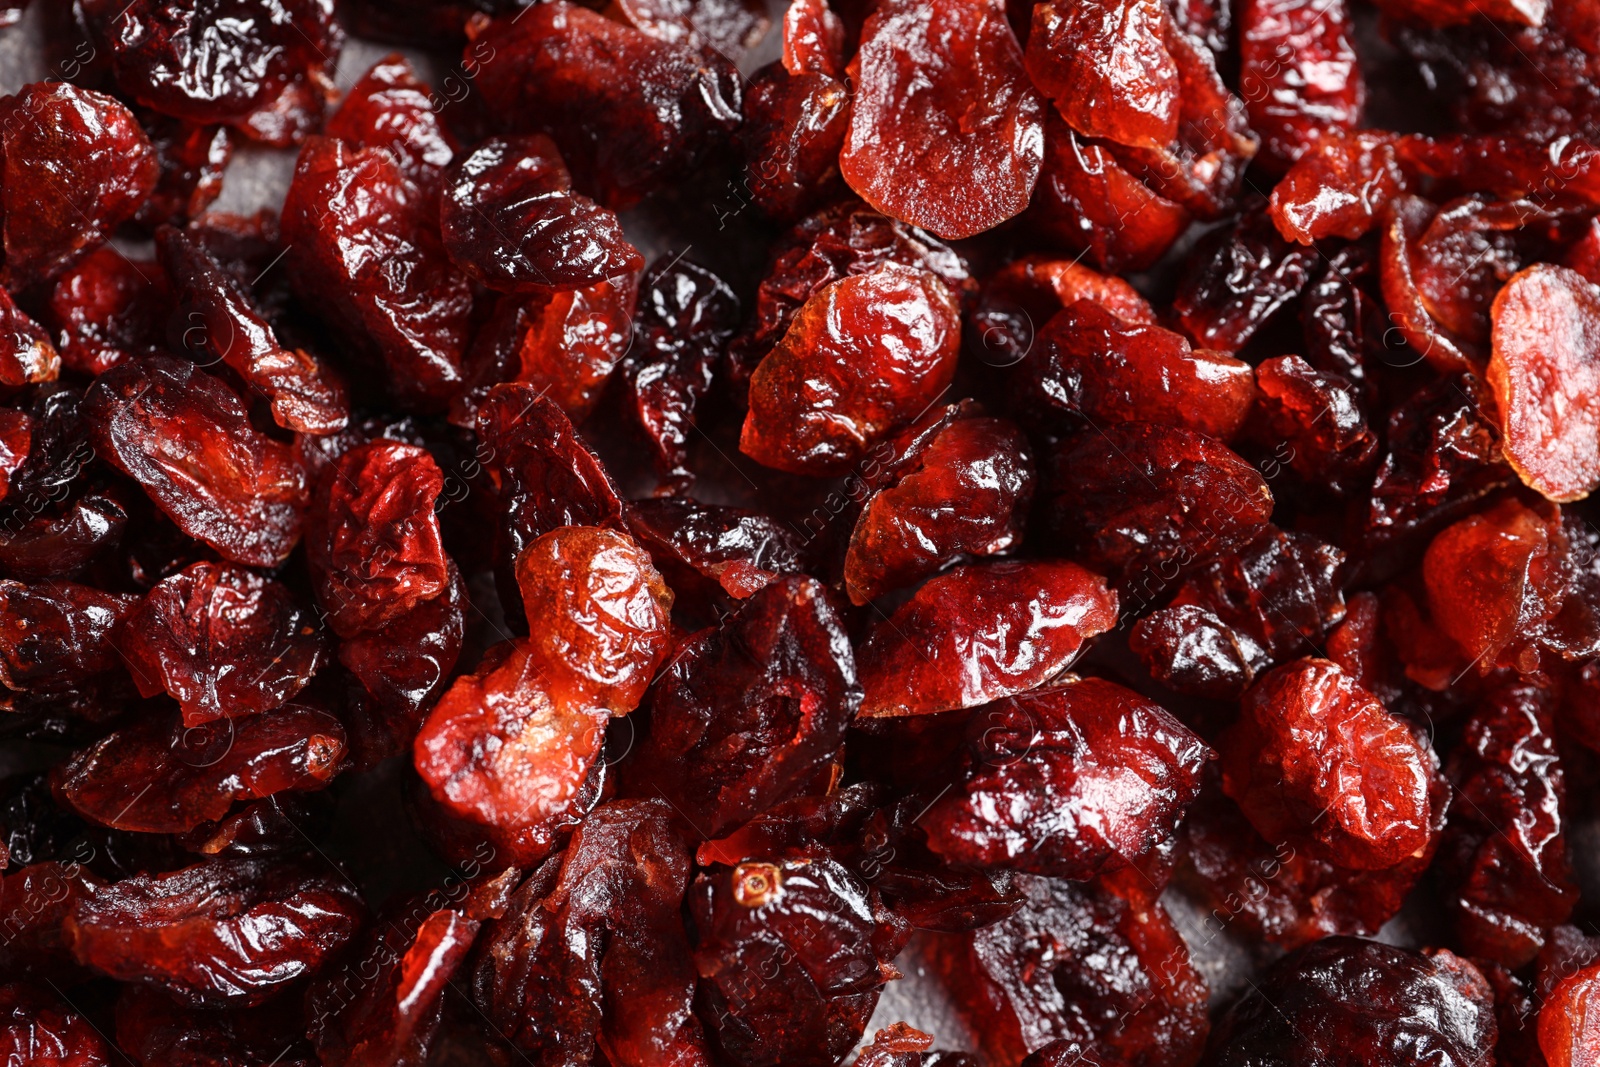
[186, 438]
[374, 545]
[736, 551]
[260, 65]
[26, 355]
[1092, 365]
[1435, 1006]
[1146, 501]
[1079, 964]
[1338, 187]
[222, 641]
[792, 956]
[202, 770]
[1107, 68]
[56, 640]
[362, 254]
[862, 358]
[108, 308]
[49, 221]
[945, 129]
[595, 940]
[192, 158]
[628, 110]
[982, 632]
[391, 108]
[403, 973]
[1071, 781]
[499, 750]
[1546, 326]
[221, 324]
[846, 239]
[226, 931]
[1315, 758]
[1087, 200]
[794, 126]
[37, 1028]
[601, 613]
[512, 222]
[1298, 72]
[1504, 855]
[681, 327]
[965, 491]
[745, 714]
[1239, 278]
[1494, 579]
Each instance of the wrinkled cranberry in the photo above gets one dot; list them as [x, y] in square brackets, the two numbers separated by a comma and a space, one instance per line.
[222, 641]
[512, 222]
[1091, 364]
[1338, 187]
[1298, 72]
[982, 632]
[400, 980]
[38, 1028]
[1239, 615]
[186, 438]
[592, 954]
[1105, 65]
[75, 166]
[108, 308]
[862, 358]
[1239, 279]
[226, 931]
[26, 355]
[965, 491]
[745, 714]
[374, 544]
[56, 639]
[1494, 579]
[1146, 501]
[391, 108]
[192, 158]
[1504, 855]
[600, 614]
[1070, 781]
[837, 242]
[405, 663]
[1018, 300]
[260, 65]
[792, 956]
[1317, 414]
[945, 129]
[681, 327]
[1083, 965]
[202, 770]
[221, 324]
[1316, 758]
[1282, 892]
[697, 545]
[1344, 999]
[628, 110]
[499, 750]
[1087, 200]
[362, 254]
[795, 123]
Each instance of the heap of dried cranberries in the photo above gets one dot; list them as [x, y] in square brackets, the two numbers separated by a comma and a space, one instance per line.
[1087, 501]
